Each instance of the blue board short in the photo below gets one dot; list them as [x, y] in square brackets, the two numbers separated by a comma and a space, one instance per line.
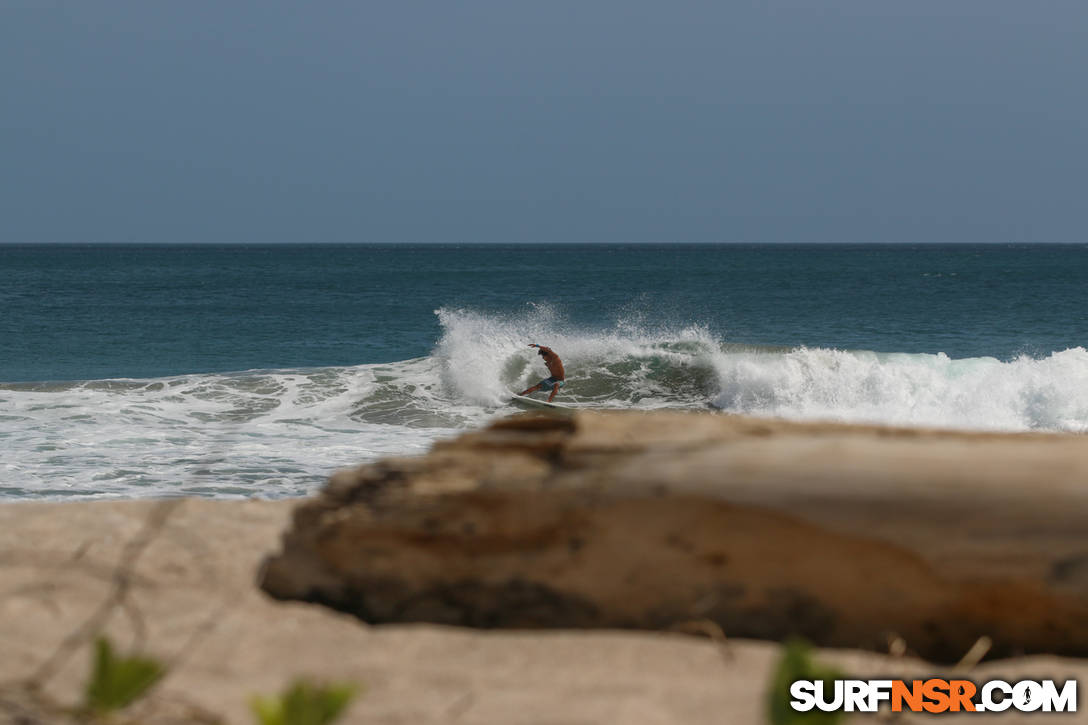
[549, 383]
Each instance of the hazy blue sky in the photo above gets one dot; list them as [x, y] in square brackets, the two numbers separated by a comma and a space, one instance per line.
[810, 120]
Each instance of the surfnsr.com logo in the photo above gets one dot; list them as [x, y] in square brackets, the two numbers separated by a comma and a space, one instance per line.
[933, 695]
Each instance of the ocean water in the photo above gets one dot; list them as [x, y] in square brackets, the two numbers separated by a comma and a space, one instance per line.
[130, 371]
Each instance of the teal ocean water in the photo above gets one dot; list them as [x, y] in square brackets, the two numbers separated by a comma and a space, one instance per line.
[257, 370]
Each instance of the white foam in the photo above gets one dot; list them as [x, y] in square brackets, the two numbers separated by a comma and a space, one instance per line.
[267, 434]
[1050, 393]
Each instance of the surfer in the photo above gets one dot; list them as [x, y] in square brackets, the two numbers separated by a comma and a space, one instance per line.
[555, 367]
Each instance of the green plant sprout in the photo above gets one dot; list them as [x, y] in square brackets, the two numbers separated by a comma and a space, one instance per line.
[117, 681]
[304, 703]
[797, 663]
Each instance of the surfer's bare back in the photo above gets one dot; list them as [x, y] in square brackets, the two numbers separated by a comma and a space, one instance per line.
[555, 367]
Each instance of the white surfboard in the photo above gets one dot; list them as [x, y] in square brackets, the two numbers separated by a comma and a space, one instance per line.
[528, 403]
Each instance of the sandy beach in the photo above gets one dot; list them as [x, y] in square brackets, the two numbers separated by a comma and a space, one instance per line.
[178, 579]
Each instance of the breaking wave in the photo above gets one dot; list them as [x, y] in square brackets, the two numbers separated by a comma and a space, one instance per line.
[629, 366]
[281, 432]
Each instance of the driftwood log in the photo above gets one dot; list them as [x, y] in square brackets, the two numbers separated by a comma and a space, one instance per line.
[847, 535]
